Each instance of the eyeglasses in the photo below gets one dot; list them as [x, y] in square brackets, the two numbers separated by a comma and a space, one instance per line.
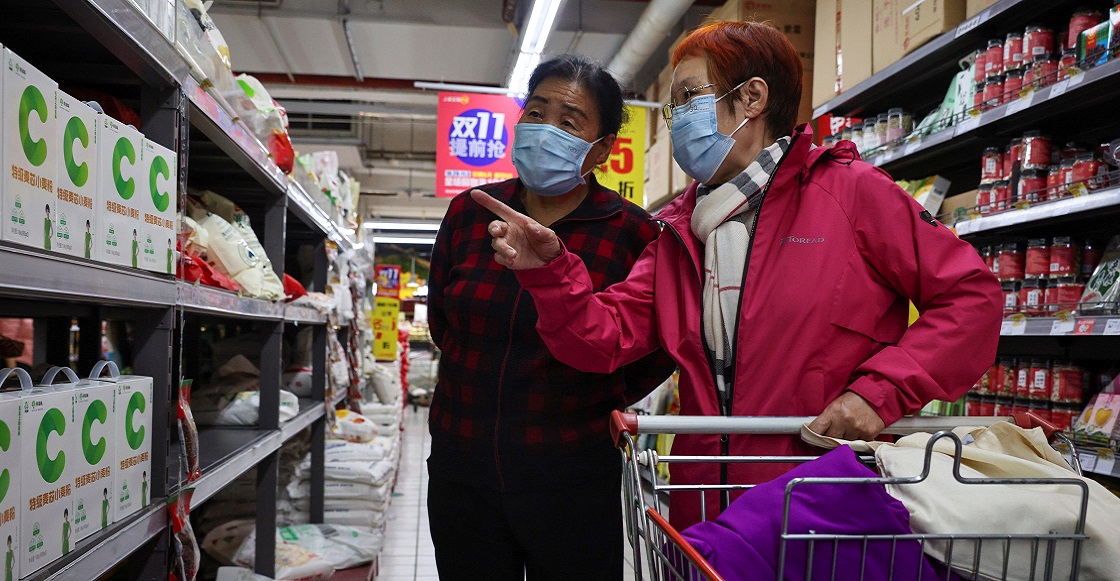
[667, 109]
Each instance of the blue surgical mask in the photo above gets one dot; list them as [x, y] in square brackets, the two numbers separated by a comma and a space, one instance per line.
[549, 160]
[698, 146]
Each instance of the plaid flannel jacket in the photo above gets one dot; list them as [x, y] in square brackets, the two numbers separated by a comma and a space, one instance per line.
[506, 415]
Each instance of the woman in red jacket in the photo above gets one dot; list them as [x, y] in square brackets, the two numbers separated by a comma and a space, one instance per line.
[523, 480]
[780, 284]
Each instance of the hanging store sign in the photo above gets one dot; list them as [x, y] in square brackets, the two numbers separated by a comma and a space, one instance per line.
[384, 323]
[474, 140]
[625, 171]
[388, 281]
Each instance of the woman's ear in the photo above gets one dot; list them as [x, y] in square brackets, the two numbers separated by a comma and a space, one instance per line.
[603, 149]
[758, 96]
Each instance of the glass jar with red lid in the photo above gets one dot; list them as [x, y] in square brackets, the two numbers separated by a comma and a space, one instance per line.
[1038, 258]
[1031, 297]
[1037, 40]
[1012, 85]
[1083, 19]
[1032, 186]
[1037, 149]
[1054, 183]
[1013, 51]
[980, 70]
[1065, 257]
[1068, 382]
[1012, 154]
[1067, 65]
[1010, 298]
[993, 92]
[984, 199]
[1089, 169]
[1044, 69]
[993, 58]
[991, 165]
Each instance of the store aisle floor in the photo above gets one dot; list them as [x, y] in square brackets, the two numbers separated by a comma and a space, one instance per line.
[408, 554]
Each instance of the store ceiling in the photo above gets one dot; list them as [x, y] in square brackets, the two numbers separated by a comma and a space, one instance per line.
[299, 49]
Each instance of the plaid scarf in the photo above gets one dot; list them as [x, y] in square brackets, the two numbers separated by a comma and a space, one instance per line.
[722, 219]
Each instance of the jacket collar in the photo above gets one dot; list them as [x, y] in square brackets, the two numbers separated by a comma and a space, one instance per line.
[600, 202]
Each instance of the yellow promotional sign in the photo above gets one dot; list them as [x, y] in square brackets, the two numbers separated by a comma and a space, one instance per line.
[625, 171]
[384, 320]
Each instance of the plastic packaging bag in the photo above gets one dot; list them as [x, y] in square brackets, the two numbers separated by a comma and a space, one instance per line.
[341, 546]
[1102, 293]
[188, 432]
[272, 288]
[352, 427]
[297, 380]
[293, 562]
[239, 574]
[185, 562]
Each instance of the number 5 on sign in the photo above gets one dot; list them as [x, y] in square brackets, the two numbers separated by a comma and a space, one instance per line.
[625, 170]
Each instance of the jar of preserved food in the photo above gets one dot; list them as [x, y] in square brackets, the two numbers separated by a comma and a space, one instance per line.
[857, 135]
[1037, 149]
[1011, 262]
[1044, 70]
[1037, 40]
[1012, 51]
[993, 92]
[1012, 154]
[899, 124]
[993, 60]
[1038, 258]
[1067, 65]
[870, 135]
[1012, 85]
[1089, 169]
[1054, 183]
[984, 199]
[988, 255]
[1032, 186]
[1067, 296]
[980, 71]
[1040, 387]
[1031, 296]
[1064, 259]
[1010, 298]
[881, 123]
[1001, 193]
[991, 166]
[1068, 382]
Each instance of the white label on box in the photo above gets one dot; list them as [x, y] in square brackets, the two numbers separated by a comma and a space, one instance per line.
[10, 475]
[158, 206]
[1061, 327]
[48, 448]
[133, 411]
[94, 474]
[970, 24]
[30, 154]
[1112, 327]
[76, 202]
[120, 184]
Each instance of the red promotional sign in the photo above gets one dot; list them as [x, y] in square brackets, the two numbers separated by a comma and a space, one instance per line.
[474, 140]
[388, 281]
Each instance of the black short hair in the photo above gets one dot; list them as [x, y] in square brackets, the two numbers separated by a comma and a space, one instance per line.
[593, 77]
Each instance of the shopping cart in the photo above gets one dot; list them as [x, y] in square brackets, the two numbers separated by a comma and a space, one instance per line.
[670, 556]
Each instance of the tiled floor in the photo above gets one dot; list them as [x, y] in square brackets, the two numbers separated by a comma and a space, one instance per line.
[408, 554]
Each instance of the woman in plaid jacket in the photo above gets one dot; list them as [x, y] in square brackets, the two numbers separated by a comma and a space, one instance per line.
[523, 477]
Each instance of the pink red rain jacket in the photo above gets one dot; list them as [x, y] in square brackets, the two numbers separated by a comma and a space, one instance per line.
[838, 251]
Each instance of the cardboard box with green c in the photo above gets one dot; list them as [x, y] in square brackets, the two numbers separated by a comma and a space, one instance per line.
[10, 475]
[159, 212]
[132, 414]
[119, 181]
[29, 154]
[76, 202]
[94, 473]
[48, 443]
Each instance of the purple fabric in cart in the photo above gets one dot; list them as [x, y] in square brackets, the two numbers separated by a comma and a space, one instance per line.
[743, 542]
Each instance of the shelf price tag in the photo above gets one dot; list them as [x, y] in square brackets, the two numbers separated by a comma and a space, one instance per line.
[970, 24]
[1084, 327]
[1020, 103]
[1106, 461]
[911, 147]
[1013, 325]
[1112, 327]
[1075, 80]
[1088, 461]
[970, 123]
[1062, 327]
[1057, 89]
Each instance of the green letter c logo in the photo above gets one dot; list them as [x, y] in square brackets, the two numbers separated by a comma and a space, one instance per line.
[5, 443]
[75, 130]
[159, 168]
[123, 150]
[50, 468]
[32, 101]
[96, 412]
[134, 436]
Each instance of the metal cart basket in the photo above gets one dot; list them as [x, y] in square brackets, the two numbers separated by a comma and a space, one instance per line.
[668, 555]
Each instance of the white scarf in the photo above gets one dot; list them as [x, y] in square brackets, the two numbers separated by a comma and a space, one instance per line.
[722, 219]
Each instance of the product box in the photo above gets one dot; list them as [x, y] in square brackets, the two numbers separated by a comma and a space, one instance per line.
[1095, 44]
[887, 29]
[95, 468]
[119, 181]
[930, 193]
[75, 204]
[974, 7]
[29, 154]
[842, 52]
[794, 18]
[10, 475]
[925, 20]
[158, 206]
[49, 445]
[132, 416]
[957, 208]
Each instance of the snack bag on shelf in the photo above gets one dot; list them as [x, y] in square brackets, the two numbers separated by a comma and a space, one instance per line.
[271, 286]
[352, 427]
[185, 561]
[1100, 419]
[228, 251]
[188, 432]
[1102, 292]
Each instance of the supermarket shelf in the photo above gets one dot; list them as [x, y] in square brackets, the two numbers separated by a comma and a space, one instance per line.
[309, 412]
[1060, 327]
[925, 73]
[1043, 212]
[212, 117]
[131, 37]
[313, 215]
[100, 553]
[1098, 460]
[967, 138]
[213, 301]
[303, 315]
[227, 453]
[37, 274]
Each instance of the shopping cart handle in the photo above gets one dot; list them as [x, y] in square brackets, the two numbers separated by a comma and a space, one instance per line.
[1027, 421]
[622, 422]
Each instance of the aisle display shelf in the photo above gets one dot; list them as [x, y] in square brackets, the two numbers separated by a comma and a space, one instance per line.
[924, 73]
[1066, 326]
[100, 553]
[1041, 215]
[203, 299]
[1098, 460]
[37, 274]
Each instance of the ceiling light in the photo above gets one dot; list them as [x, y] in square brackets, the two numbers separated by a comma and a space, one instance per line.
[347, 231]
[534, 38]
[423, 226]
[402, 240]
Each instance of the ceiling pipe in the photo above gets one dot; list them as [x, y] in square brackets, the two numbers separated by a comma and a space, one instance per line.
[654, 25]
[353, 53]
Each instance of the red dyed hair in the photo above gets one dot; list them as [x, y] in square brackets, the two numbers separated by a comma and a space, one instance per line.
[737, 51]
